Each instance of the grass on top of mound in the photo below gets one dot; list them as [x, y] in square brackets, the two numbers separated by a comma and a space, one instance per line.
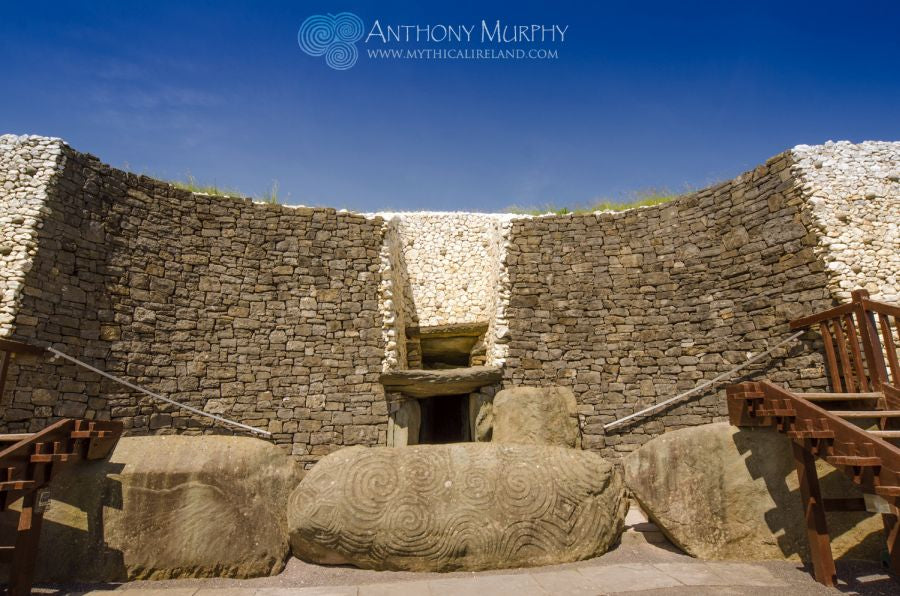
[192, 185]
[645, 198]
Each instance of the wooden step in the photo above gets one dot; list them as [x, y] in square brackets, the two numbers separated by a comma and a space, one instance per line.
[854, 460]
[838, 396]
[91, 434]
[810, 434]
[17, 485]
[779, 412]
[49, 458]
[887, 491]
[885, 434]
[15, 437]
[6, 554]
[866, 413]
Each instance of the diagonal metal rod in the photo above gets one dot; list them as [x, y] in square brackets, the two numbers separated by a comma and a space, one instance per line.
[252, 429]
[704, 384]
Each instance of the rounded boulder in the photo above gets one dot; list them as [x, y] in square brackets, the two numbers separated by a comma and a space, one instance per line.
[464, 506]
[165, 507]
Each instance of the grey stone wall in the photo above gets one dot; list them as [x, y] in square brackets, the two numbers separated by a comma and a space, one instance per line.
[261, 313]
[630, 308]
[283, 318]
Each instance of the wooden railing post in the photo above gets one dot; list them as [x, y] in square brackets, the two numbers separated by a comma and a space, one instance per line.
[877, 366]
[4, 370]
[814, 511]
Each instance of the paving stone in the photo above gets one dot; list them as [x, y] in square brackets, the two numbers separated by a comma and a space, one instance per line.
[568, 581]
[481, 585]
[691, 574]
[744, 574]
[406, 588]
[311, 591]
[628, 578]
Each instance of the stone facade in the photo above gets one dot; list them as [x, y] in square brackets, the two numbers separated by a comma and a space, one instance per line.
[260, 313]
[854, 195]
[27, 167]
[284, 318]
[448, 267]
[630, 308]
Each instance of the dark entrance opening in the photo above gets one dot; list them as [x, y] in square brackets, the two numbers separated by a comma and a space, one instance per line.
[445, 419]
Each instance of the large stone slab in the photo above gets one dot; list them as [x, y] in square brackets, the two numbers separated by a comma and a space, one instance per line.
[720, 492]
[466, 506]
[170, 507]
[447, 381]
[536, 415]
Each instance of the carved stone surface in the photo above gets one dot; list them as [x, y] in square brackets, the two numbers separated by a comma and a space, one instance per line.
[536, 415]
[466, 506]
[169, 507]
[448, 381]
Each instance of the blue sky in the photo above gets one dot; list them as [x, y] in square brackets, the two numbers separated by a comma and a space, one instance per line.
[642, 95]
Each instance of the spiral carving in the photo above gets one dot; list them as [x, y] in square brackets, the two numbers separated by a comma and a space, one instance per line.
[332, 36]
[467, 506]
[348, 27]
[370, 482]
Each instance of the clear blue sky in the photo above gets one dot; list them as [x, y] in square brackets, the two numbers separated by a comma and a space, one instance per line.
[643, 94]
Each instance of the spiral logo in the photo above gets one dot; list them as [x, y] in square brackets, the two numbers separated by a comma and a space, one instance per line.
[332, 36]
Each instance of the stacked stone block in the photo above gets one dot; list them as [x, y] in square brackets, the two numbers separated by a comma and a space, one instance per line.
[630, 308]
[283, 318]
[263, 314]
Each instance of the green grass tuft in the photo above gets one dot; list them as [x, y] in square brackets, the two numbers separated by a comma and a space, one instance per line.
[645, 198]
[271, 196]
[190, 184]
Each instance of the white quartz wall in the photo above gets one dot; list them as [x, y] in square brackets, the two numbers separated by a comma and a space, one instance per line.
[497, 337]
[448, 268]
[27, 167]
[853, 193]
[392, 298]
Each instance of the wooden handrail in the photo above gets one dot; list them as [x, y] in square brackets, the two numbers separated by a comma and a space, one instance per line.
[881, 307]
[17, 347]
[862, 364]
[826, 315]
[860, 350]
[867, 457]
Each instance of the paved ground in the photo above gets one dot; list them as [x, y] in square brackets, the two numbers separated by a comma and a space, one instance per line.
[644, 563]
[635, 567]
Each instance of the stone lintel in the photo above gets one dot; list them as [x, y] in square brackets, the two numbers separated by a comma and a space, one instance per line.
[447, 381]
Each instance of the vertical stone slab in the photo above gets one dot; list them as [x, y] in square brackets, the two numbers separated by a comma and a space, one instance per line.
[404, 421]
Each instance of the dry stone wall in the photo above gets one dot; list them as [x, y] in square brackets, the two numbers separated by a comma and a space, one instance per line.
[448, 268]
[630, 308]
[28, 165]
[283, 318]
[260, 313]
[392, 297]
[854, 196]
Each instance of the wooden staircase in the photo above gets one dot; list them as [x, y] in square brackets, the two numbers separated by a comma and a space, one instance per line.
[854, 427]
[28, 463]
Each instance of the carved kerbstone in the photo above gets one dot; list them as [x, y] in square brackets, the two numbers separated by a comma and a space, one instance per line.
[466, 506]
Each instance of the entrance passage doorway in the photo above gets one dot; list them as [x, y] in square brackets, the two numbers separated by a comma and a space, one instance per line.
[445, 419]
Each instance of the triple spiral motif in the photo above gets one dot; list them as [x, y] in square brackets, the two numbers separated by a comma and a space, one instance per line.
[333, 36]
[462, 506]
